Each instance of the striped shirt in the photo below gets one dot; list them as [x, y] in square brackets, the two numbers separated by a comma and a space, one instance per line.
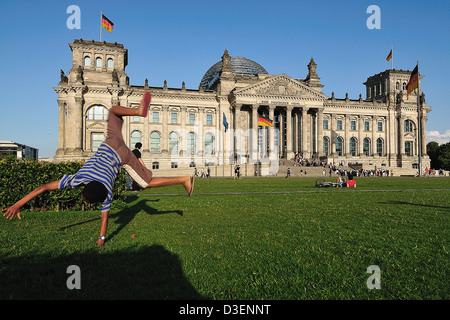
[103, 167]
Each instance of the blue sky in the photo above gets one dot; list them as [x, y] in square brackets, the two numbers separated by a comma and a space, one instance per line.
[179, 40]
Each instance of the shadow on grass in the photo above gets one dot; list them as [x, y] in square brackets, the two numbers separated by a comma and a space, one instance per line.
[149, 272]
[126, 215]
[415, 204]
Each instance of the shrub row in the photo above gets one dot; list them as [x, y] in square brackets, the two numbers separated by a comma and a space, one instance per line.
[19, 177]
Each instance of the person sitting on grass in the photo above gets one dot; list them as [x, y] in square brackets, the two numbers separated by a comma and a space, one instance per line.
[350, 182]
[98, 174]
[340, 181]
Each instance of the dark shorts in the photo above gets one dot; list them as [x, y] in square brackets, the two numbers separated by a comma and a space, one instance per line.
[137, 171]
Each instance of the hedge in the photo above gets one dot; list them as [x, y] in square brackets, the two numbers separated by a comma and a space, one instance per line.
[19, 177]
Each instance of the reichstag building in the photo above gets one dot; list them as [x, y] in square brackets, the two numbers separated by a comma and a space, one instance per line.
[186, 127]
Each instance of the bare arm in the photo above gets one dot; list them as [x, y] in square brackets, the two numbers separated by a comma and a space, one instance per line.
[15, 208]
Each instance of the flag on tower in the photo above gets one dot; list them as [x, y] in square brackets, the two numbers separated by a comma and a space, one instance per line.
[106, 23]
[413, 81]
[389, 57]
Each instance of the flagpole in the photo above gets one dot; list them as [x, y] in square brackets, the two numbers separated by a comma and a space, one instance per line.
[419, 125]
[392, 59]
[101, 15]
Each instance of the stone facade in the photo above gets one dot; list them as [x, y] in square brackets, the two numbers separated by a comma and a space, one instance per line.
[186, 127]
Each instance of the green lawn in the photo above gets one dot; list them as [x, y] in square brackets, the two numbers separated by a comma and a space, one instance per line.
[256, 238]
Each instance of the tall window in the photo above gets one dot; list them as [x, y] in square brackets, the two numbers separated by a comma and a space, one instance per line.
[96, 140]
[209, 120]
[380, 146]
[325, 124]
[98, 62]
[408, 148]
[97, 112]
[191, 118]
[110, 63]
[173, 143]
[353, 125]
[380, 126]
[191, 143]
[136, 136]
[87, 61]
[209, 144]
[155, 116]
[366, 126]
[155, 142]
[339, 125]
[366, 147]
[408, 126]
[325, 145]
[339, 145]
[353, 146]
[174, 118]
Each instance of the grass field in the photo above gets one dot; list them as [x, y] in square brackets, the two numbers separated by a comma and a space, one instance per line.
[256, 238]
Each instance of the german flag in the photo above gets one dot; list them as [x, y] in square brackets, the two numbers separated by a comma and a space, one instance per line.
[107, 24]
[413, 81]
[389, 57]
[264, 122]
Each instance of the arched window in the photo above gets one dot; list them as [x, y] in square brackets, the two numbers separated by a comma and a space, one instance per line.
[409, 126]
[366, 146]
[87, 61]
[191, 143]
[173, 143]
[339, 146]
[110, 63]
[352, 146]
[380, 144]
[98, 62]
[136, 136]
[209, 144]
[155, 142]
[404, 85]
[97, 112]
[397, 85]
[326, 145]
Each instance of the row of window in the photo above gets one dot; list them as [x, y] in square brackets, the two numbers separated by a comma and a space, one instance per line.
[339, 125]
[155, 142]
[100, 113]
[99, 62]
[339, 142]
[381, 88]
[408, 125]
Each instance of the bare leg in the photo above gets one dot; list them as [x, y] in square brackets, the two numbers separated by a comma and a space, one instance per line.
[139, 111]
[186, 181]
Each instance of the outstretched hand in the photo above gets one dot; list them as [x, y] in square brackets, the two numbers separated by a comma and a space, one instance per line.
[11, 212]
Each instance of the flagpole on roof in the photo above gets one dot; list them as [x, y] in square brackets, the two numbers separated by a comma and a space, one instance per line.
[419, 125]
[101, 15]
[392, 60]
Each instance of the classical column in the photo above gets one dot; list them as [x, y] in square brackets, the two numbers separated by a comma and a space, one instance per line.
[347, 135]
[289, 152]
[272, 153]
[305, 129]
[360, 135]
[320, 132]
[61, 127]
[374, 142]
[332, 137]
[165, 128]
[78, 125]
[401, 130]
[254, 134]
[238, 132]
[423, 133]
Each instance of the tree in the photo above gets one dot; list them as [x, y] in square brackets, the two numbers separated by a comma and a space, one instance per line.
[444, 156]
[433, 152]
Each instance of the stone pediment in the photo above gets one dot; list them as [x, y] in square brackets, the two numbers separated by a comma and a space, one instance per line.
[96, 126]
[281, 86]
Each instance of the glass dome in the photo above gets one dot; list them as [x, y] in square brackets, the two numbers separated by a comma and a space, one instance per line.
[242, 67]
